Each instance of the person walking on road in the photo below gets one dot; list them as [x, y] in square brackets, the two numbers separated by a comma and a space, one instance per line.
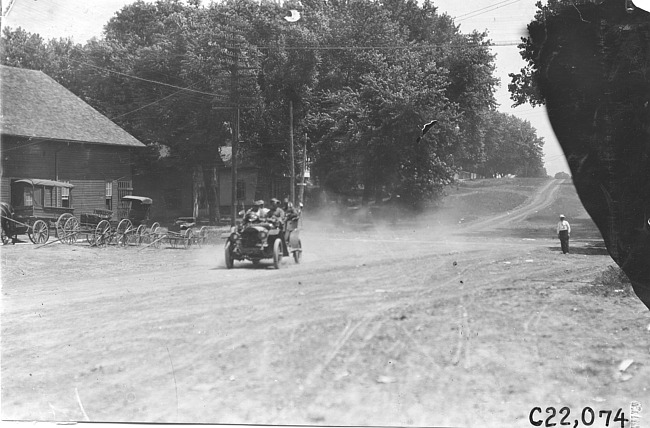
[563, 232]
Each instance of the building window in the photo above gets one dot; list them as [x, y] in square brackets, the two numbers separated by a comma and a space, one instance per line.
[109, 195]
[241, 190]
[65, 197]
[124, 188]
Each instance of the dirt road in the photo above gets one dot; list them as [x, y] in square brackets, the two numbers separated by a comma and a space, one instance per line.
[429, 323]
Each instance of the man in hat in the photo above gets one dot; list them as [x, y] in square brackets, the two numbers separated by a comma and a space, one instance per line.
[256, 210]
[276, 214]
[563, 232]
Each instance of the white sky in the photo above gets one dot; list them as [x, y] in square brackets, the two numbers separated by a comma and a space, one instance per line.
[505, 21]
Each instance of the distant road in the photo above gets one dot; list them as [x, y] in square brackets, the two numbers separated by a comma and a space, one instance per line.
[542, 198]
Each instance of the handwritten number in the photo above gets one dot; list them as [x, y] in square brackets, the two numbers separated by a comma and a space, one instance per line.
[552, 412]
[620, 416]
[566, 412]
[609, 415]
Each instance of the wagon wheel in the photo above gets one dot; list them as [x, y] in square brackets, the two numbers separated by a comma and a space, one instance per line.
[124, 228]
[188, 238]
[39, 233]
[70, 231]
[277, 253]
[90, 238]
[102, 234]
[297, 252]
[60, 222]
[140, 233]
[228, 256]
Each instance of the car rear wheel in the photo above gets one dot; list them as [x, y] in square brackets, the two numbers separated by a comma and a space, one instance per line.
[277, 253]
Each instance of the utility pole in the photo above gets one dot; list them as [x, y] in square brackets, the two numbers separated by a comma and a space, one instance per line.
[301, 197]
[235, 134]
[292, 167]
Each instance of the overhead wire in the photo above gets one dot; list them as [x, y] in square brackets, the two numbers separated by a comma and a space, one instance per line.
[148, 80]
[482, 8]
[496, 6]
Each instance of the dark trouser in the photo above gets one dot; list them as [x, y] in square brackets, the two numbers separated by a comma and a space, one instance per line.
[564, 240]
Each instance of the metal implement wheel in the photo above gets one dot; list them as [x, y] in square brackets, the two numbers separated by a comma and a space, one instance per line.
[124, 228]
[102, 234]
[297, 252]
[39, 233]
[228, 256]
[188, 237]
[70, 231]
[140, 234]
[154, 235]
[277, 253]
[60, 222]
[203, 236]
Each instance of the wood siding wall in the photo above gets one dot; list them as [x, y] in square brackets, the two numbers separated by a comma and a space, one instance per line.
[63, 161]
[87, 166]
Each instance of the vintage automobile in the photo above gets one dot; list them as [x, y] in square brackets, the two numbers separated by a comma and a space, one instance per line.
[256, 239]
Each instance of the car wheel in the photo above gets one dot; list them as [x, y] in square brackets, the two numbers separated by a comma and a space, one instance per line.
[277, 253]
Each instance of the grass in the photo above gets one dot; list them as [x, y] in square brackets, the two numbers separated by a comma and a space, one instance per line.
[612, 282]
[477, 198]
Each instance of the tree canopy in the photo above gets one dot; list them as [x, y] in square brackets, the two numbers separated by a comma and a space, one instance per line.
[363, 77]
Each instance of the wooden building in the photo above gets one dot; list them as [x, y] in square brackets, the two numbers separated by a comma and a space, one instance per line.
[47, 132]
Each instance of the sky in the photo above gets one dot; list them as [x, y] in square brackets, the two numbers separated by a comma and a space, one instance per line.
[504, 20]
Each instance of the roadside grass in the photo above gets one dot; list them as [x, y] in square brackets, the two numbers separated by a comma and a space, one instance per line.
[471, 200]
[543, 222]
[612, 282]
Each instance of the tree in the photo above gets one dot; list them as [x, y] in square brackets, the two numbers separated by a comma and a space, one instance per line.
[511, 146]
[376, 100]
[190, 47]
[362, 76]
[523, 86]
[588, 64]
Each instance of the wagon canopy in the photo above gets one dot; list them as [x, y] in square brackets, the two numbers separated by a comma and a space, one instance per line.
[142, 199]
[39, 182]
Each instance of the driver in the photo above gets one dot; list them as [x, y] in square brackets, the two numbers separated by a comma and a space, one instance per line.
[256, 213]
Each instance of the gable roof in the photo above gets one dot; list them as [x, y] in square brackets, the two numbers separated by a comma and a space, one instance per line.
[35, 105]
